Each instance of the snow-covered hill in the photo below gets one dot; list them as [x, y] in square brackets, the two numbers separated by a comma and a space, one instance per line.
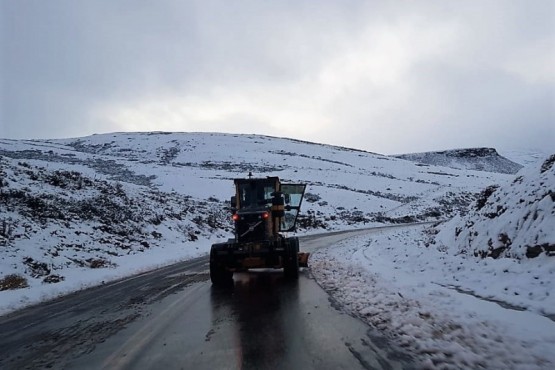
[78, 211]
[479, 159]
[516, 220]
[525, 157]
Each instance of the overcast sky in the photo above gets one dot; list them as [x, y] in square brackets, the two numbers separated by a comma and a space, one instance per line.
[384, 76]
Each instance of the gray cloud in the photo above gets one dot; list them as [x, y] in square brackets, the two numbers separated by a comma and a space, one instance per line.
[377, 75]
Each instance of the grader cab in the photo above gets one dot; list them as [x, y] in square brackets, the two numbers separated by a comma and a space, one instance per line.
[262, 209]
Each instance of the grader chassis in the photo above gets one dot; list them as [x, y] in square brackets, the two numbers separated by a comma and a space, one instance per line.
[262, 208]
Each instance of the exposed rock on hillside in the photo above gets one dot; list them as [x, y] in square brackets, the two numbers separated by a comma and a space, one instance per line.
[479, 159]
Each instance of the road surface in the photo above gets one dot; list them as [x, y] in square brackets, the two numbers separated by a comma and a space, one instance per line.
[172, 318]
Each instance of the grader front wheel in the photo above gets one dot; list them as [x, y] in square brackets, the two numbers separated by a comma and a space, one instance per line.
[291, 260]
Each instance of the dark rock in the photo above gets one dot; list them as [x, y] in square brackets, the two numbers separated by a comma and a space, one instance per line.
[52, 279]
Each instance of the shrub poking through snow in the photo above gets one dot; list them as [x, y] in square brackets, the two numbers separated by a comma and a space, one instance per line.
[51, 279]
[12, 282]
[516, 220]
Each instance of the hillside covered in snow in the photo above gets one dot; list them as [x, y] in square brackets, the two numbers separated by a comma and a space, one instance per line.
[516, 220]
[78, 211]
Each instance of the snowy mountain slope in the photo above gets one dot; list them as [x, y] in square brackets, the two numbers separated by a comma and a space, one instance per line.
[78, 211]
[68, 228]
[479, 159]
[524, 157]
[511, 228]
[516, 220]
[194, 163]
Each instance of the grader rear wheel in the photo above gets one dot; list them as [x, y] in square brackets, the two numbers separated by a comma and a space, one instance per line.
[219, 275]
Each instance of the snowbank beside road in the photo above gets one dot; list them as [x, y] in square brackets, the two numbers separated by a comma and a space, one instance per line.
[423, 299]
[81, 278]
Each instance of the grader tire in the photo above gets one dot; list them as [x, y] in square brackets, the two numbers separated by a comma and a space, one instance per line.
[218, 273]
[291, 262]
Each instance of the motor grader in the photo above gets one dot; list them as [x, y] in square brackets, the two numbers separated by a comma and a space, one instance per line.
[261, 209]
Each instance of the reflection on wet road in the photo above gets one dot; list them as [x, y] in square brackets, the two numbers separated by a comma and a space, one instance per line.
[263, 322]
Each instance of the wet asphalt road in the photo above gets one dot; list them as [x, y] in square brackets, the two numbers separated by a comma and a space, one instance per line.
[172, 318]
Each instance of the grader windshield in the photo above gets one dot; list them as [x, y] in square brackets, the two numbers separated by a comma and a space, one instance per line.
[254, 195]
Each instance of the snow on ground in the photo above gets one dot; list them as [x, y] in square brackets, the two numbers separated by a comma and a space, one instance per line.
[81, 278]
[473, 292]
[525, 157]
[61, 231]
[391, 280]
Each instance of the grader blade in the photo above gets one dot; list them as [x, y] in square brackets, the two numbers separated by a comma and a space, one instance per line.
[303, 259]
